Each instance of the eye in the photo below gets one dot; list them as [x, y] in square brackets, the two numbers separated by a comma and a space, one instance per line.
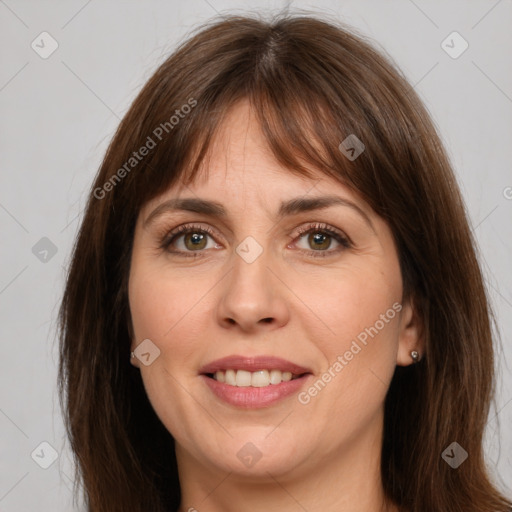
[194, 239]
[320, 237]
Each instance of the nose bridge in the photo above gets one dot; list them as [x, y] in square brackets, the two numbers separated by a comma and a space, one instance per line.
[252, 294]
[251, 278]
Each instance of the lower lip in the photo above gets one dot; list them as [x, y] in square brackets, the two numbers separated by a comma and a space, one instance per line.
[254, 398]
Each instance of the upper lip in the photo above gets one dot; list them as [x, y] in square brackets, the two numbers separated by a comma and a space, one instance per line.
[253, 364]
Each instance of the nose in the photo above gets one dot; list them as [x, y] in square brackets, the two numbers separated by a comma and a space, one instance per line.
[253, 296]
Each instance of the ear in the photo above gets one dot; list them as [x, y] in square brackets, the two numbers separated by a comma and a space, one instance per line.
[411, 334]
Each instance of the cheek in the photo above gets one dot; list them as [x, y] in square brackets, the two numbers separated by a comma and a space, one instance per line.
[158, 298]
[355, 300]
[165, 308]
[356, 331]
[151, 304]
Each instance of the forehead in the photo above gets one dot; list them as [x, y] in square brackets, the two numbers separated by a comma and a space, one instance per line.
[239, 153]
[240, 166]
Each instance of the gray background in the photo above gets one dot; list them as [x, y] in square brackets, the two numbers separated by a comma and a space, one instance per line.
[58, 115]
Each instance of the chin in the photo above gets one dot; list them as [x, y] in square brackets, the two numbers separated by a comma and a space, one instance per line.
[255, 456]
[266, 468]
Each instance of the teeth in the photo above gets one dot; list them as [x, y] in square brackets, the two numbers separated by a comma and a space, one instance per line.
[275, 376]
[243, 378]
[230, 377]
[259, 379]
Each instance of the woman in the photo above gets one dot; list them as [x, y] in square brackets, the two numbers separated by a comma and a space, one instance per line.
[276, 242]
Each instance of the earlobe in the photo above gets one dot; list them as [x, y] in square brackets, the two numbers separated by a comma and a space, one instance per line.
[411, 343]
[133, 359]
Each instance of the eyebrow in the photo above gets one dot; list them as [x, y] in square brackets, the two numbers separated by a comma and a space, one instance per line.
[287, 208]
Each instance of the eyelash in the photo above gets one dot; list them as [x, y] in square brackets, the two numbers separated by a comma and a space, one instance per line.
[170, 237]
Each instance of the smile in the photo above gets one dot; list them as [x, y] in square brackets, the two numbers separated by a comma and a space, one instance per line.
[251, 382]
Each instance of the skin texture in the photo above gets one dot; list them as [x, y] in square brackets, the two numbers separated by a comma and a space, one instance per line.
[323, 455]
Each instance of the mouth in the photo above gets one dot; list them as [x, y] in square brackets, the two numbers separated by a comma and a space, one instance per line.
[254, 382]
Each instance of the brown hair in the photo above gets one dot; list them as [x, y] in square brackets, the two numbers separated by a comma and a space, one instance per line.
[312, 83]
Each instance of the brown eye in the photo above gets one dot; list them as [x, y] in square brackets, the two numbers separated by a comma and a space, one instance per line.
[320, 238]
[194, 240]
[187, 239]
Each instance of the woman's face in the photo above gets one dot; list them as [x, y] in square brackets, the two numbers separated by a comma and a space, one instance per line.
[326, 302]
